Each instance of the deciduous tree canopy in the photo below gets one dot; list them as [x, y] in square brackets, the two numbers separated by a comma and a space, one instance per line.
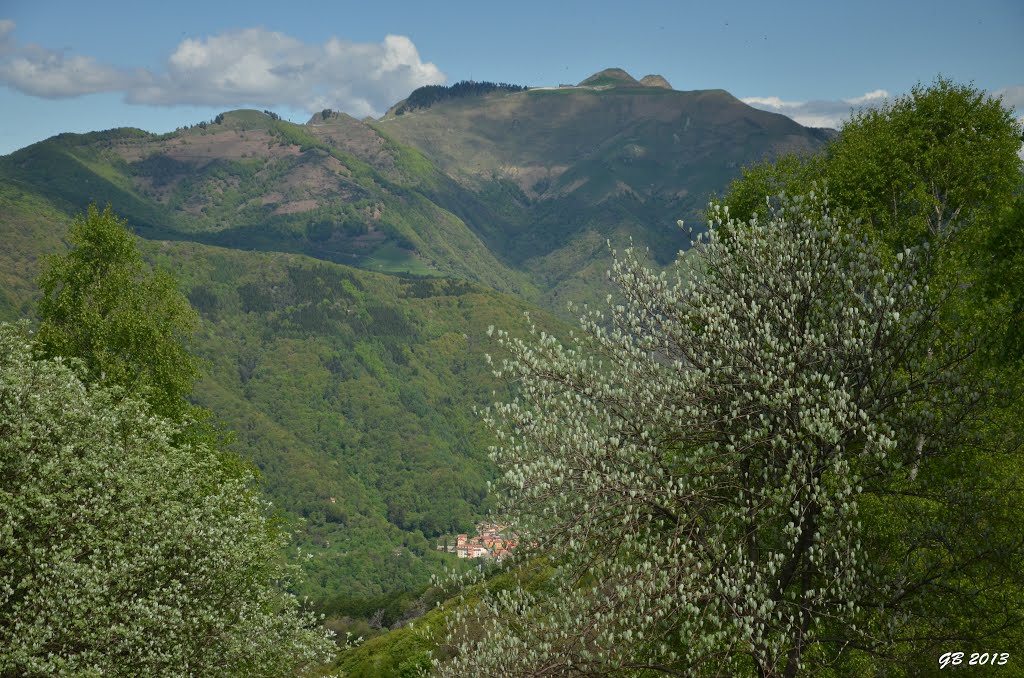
[128, 325]
[126, 553]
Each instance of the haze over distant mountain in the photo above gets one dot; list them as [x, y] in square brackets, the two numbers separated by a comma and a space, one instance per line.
[352, 389]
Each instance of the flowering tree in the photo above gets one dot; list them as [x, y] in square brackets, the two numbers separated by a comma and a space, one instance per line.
[124, 551]
[705, 467]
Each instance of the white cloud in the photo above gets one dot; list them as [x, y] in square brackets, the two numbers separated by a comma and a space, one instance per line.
[1013, 96]
[253, 66]
[52, 74]
[818, 113]
[873, 95]
[6, 30]
[833, 113]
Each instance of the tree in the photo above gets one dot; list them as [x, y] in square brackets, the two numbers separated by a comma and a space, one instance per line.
[709, 469]
[1001, 284]
[125, 553]
[937, 166]
[920, 168]
[128, 325]
[928, 165]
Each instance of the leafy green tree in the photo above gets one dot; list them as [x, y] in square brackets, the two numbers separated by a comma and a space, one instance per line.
[928, 165]
[937, 166]
[921, 168]
[126, 553]
[128, 325]
[1002, 282]
[711, 468]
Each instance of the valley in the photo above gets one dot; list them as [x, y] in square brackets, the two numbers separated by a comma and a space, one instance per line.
[346, 272]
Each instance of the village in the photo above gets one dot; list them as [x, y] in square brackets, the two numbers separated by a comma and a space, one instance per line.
[491, 541]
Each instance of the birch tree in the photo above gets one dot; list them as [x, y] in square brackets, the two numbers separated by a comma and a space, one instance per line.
[128, 325]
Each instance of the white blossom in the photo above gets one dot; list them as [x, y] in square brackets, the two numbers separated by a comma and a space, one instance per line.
[692, 466]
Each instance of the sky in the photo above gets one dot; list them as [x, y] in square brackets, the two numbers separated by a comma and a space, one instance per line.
[73, 66]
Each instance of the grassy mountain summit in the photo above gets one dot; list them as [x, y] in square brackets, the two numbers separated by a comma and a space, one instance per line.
[655, 81]
[610, 77]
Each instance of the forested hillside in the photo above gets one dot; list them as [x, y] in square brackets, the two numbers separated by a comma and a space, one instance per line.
[353, 392]
[339, 384]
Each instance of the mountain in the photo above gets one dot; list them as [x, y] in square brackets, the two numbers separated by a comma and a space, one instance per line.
[252, 181]
[547, 175]
[515, 189]
[655, 81]
[346, 272]
[610, 77]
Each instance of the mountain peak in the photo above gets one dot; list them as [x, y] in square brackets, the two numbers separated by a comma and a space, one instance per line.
[655, 81]
[610, 77]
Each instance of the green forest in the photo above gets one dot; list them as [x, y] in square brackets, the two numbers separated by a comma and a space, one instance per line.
[253, 374]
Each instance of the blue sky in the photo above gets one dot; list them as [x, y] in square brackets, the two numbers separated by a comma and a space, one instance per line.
[81, 66]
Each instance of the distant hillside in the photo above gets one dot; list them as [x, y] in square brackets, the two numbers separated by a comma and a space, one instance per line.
[549, 174]
[519, 191]
[252, 181]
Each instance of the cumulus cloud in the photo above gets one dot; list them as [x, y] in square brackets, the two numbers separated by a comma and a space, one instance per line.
[253, 66]
[872, 96]
[819, 112]
[6, 33]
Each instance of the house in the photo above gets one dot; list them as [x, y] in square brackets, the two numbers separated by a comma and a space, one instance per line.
[489, 542]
